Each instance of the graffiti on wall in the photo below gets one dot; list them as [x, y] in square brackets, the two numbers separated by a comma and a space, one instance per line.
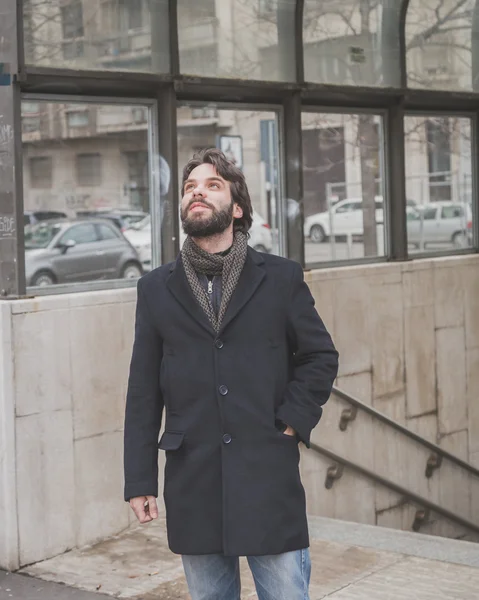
[7, 226]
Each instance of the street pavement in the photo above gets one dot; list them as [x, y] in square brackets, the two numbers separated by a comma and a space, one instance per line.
[350, 562]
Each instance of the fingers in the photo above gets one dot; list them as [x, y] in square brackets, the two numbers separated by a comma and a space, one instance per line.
[153, 507]
[141, 507]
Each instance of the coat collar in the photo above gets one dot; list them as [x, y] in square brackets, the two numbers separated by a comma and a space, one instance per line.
[251, 277]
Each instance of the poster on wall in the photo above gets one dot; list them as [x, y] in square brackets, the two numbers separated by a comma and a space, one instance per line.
[232, 146]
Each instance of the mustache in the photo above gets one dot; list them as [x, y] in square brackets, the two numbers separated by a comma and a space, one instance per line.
[204, 202]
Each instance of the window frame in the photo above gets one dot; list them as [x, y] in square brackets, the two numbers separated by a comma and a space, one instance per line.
[165, 90]
[153, 137]
[473, 116]
[279, 111]
[384, 152]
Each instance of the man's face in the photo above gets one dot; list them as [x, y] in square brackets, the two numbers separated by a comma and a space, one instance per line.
[206, 207]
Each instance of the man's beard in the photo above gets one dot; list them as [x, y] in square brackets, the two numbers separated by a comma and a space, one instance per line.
[199, 227]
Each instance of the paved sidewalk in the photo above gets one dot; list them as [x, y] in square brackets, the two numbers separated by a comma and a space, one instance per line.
[350, 562]
[22, 587]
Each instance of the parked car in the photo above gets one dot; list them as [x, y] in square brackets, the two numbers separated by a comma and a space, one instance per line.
[115, 218]
[439, 223]
[139, 235]
[67, 250]
[30, 217]
[346, 217]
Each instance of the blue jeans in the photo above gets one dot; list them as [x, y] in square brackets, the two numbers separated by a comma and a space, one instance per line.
[276, 576]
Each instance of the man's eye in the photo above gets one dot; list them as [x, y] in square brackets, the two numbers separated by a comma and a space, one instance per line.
[188, 187]
[214, 185]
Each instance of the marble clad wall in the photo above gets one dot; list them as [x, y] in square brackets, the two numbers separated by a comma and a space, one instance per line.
[408, 334]
[408, 338]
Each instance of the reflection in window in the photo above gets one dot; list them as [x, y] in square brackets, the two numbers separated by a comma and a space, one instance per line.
[250, 140]
[103, 176]
[126, 35]
[343, 197]
[88, 169]
[352, 42]
[439, 182]
[80, 234]
[438, 44]
[41, 171]
[240, 38]
[78, 118]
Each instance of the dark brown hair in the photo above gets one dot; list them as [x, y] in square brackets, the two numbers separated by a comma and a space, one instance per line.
[229, 172]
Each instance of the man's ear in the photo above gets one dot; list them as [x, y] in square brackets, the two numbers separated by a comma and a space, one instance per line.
[237, 211]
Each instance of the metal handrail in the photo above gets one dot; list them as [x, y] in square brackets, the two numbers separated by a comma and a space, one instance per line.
[404, 430]
[411, 496]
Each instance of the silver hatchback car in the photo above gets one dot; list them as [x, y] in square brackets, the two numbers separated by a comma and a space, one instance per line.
[68, 250]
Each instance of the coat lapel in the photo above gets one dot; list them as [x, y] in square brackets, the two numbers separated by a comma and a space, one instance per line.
[178, 285]
[251, 277]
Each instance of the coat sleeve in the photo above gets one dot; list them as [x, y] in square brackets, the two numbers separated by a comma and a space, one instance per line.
[315, 362]
[144, 406]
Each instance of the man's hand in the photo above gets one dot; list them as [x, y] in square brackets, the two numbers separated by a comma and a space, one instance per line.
[145, 508]
[289, 431]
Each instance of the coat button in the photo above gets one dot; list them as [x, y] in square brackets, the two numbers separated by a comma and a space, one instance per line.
[223, 390]
[219, 344]
[226, 438]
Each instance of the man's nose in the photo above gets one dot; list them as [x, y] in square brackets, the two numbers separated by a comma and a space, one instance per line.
[198, 191]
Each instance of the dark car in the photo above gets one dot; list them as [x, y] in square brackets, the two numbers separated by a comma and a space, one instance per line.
[67, 250]
[122, 218]
[30, 217]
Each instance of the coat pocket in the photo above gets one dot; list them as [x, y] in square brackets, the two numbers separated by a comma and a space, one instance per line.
[171, 440]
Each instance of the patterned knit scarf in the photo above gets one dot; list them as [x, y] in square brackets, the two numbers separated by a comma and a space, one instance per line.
[229, 267]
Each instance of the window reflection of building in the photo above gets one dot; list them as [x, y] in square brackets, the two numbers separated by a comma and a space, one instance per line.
[99, 153]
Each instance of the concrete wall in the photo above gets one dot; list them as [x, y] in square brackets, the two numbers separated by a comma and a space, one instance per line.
[63, 374]
[408, 335]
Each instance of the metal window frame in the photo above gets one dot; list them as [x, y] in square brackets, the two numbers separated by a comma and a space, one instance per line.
[383, 158]
[278, 110]
[473, 117]
[154, 174]
[165, 90]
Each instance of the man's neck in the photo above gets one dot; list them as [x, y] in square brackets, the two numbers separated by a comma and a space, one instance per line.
[215, 244]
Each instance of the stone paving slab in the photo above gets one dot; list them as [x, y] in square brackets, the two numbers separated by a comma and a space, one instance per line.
[22, 587]
[138, 565]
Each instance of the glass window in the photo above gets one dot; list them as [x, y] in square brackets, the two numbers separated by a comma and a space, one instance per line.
[429, 214]
[342, 174]
[102, 175]
[250, 139]
[439, 181]
[80, 234]
[438, 44]
[40, 235]
[72, 20]
[125, 35]
[452, 212]
[78, 118]
[352, 42]
[41, 171]
[106, 232]
[88, 169]
[250, 39]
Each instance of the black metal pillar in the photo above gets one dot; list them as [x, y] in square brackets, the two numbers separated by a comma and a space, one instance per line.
[169, 193]
[293, 153]
[12, 263]
[396, 183]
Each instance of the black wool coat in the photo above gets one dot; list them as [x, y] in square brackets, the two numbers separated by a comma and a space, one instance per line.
[232, 482]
